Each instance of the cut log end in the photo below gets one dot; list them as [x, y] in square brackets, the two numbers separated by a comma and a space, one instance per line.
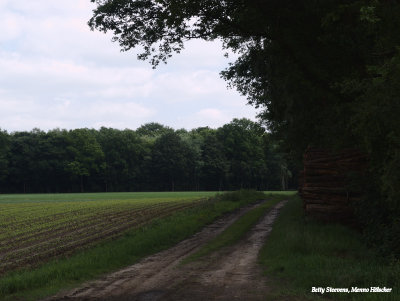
[322, 183]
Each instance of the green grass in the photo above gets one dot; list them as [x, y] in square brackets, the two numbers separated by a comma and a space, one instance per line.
[287, 193]
[52, 197]
[301, 253]
[31, 284]
[237, 230]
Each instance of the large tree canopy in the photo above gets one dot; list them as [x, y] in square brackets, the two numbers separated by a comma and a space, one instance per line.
[326, 72]
[306, 62]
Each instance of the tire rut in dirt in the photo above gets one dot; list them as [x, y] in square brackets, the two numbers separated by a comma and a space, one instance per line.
[232, 274]
[152, 276]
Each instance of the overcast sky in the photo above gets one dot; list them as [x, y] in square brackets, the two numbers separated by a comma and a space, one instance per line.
[55, 72]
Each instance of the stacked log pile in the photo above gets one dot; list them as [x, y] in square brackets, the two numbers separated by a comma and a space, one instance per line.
[324, 183]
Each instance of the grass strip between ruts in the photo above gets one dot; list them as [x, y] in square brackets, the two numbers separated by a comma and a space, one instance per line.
[236, 231]
[302, 253]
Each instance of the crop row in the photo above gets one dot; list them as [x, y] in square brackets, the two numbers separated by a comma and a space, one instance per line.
[35, 227]
[18, 214]
[56, 212]
[80, 235]
[66, 227]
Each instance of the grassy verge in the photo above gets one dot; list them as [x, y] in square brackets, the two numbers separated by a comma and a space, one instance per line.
[301, 254]
[237, 230]
[131, 196]
[108, 256]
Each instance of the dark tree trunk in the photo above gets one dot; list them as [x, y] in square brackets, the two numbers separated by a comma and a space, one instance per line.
[81, 183]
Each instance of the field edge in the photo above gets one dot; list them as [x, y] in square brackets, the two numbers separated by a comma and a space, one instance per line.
[69, 272]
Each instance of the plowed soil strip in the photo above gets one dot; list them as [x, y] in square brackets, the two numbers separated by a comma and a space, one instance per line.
[38, 253]
[230, 274]
[86, 225]
[74, 217]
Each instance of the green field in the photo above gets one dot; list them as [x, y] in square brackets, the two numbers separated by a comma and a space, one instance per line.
[130, 196]
[39, 227]
[61, 243]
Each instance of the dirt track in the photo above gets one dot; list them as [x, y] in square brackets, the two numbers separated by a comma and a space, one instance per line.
[231, 274]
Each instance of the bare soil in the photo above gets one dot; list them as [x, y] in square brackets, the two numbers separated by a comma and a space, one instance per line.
[230, 274]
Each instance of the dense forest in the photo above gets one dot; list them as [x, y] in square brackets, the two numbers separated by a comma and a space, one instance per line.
[151, 158]
[326, 73]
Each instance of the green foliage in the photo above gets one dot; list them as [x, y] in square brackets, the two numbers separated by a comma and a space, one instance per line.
[85, 155]
[172, 159]
[325, 73]
[215, 165]
[4, 149]
[153, 129]
[152, 158]
[125, 154]
[301, 254]
[241, 195]
[243, 146]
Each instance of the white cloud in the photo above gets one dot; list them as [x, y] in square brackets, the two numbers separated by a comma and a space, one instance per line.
[121, 110]
[11, 26]
[25, 114]
[207, 54]
[55, 72]
[56, 77]
[213, 116]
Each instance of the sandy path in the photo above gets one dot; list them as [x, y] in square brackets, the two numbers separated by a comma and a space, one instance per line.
[231, 274]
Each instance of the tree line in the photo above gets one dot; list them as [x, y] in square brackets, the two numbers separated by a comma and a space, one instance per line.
[153, 157]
